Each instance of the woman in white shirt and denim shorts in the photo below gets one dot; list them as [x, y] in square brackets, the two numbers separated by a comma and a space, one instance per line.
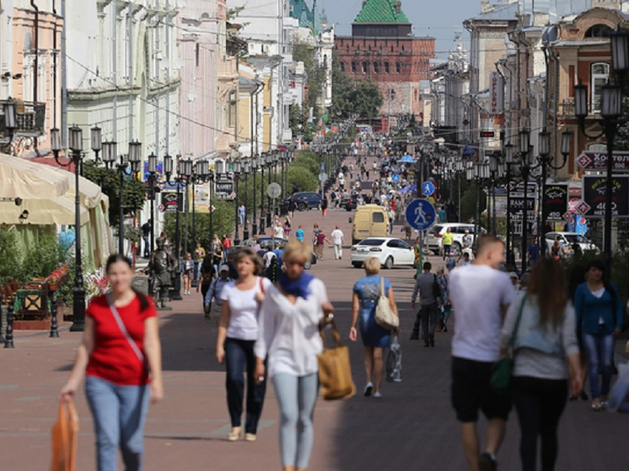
[289, 334]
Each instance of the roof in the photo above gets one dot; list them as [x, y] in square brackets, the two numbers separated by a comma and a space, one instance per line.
[500, 12]
[381, 11]
[311, 18]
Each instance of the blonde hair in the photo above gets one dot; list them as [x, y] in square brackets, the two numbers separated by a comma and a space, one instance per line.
[296, 248]
[372, 265]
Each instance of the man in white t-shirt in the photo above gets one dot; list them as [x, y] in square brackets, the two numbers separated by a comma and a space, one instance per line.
[337, 242]
[480, 296]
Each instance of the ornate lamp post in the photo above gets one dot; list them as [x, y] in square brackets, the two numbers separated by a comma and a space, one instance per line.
[508, 152]
[246, 170]
[152, 170]
[526, 168]
[254, 167]
[236, 168]
[75, 144]
[262, 163]
[96, 140]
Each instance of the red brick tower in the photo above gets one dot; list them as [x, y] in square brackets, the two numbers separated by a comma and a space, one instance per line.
[382, 48]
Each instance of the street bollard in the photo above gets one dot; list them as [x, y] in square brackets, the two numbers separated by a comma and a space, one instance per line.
[54, 332]
[8, 342]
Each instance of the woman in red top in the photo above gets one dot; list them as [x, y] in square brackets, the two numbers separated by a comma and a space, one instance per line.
[120, 347]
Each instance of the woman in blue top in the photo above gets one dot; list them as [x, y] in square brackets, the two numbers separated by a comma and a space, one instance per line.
[599, 314]
[375, 338]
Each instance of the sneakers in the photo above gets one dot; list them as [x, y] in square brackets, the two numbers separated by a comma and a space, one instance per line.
[368, 389]
[377, 395]
[486, 462]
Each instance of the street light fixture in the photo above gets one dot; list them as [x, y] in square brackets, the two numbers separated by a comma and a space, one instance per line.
[96, 140]
[152, 169]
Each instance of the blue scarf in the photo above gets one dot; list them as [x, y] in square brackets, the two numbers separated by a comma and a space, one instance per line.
[299, 287]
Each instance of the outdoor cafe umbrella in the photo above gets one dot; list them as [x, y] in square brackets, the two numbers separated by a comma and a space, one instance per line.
[20, 178]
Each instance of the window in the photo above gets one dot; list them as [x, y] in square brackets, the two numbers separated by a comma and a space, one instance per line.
[231, 109]
[377, 217]
[393, 244]
[386, 68]
[342, 66]
[353, 67]
[365, 66]
[599, 74]
[598, 31]
[376, 68]
[398, 68]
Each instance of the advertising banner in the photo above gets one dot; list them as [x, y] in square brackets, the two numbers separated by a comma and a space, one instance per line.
[594, 192]
[555, 202]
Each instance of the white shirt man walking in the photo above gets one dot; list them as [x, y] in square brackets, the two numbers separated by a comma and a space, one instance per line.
[337, 241]
[480, 295]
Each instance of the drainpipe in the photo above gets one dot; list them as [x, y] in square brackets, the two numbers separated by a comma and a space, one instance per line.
[54, 66]
[36, 64]
[64, 76]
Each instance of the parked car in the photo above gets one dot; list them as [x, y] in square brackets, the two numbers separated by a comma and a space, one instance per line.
[307, 200]
[568, 238]
[370, 220]
[389, 250]
[435, 234]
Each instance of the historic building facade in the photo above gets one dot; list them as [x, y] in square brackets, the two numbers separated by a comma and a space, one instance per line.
[382, 48]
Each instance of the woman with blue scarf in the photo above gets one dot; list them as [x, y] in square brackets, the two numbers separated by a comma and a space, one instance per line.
[288, 337]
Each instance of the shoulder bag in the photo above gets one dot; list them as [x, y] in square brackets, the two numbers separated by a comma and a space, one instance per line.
[125, 332]
[64, 436]
[335, 373]
[394, 361]
[385, 317]
[502, 371]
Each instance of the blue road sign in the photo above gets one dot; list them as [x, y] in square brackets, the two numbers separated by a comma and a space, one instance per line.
[395, 178]
[420, 214]
[428, 188]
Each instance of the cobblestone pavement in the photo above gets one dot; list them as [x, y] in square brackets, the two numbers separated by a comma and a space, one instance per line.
[411, 427]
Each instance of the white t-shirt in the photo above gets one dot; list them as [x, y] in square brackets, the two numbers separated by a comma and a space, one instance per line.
[243, 321]
[278, 232]
[337, 237]
[289, 333]
[478, 293]
[267, 257]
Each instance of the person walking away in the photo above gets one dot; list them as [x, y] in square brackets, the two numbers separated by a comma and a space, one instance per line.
[291, 313]
[599, 315]
[268, 256]
[337, 241]
[207, 276]
[427, 286]
[447, 242]
[324, 206]
[287, 228]
[212, 300]
[533, 252]
[443, 215]
[146, 236]
[188, 273]
[292, 207]
[237, 334]
[299, 234]
[445, 307]
[320, 244]
[375, 339]
[546, 354]
[480, 295]
[120, 355]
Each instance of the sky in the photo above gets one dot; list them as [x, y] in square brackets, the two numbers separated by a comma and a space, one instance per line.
[437, 18]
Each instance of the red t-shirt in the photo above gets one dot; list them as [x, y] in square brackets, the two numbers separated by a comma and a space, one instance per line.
[112, 358]
[320, 238]
[227, 243]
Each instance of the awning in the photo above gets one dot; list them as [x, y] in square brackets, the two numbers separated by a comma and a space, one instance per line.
[20, 178]
[60, 210]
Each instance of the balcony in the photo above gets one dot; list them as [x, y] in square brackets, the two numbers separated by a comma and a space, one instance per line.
[29, 117]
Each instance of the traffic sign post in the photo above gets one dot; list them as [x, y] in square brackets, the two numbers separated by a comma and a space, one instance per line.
[274, 190]
[420, 214]
[428, 188]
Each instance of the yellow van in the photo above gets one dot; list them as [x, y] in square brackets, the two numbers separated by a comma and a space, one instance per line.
[370, 220]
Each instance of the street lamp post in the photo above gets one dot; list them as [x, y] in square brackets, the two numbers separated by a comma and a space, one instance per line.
[254, 168]
[262, 162]
[526, 167]
[152, 170]
[236, 169]
[508, 152]
[246, 170]
[75, 144]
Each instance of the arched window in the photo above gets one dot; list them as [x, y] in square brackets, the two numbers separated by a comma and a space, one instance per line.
[599, 75]
[365, 67]
[376, 68]
[353, 67]
[342, 66]
[386, 68]
[598, 31]
[398, 68]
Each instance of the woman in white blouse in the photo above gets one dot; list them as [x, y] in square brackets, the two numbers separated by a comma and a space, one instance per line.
[289, 339]
[237, 334]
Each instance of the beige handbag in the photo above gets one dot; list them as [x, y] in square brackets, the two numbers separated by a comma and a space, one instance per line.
[385, 317]
[335, 373]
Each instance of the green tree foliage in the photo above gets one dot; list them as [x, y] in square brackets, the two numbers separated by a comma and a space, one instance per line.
[308, 160]
[10, 256]
[302, 179]
[134, 191]
[353, 96]
[316, 75]
[43, 257]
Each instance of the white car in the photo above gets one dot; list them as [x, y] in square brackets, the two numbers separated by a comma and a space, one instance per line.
[435, 235]
[568, 238]
[389, 250]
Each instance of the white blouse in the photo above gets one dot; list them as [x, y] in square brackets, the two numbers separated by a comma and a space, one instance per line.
[289, 333]
[243, 307]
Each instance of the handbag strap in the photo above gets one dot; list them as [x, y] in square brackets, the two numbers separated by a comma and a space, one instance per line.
[514, 334]
[123, 329]
[335, 334]
[381, 286]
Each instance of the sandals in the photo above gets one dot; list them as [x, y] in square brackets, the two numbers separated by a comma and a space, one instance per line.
[234, 435]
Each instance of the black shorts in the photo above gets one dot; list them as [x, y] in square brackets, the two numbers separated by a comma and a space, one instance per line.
[471, 391]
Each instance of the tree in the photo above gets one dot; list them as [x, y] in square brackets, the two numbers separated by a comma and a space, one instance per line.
[316, 76]
[134, 191]
[301, 179]
[10, 255]
[353, 96]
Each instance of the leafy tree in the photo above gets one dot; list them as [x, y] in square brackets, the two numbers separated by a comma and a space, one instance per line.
[302, 179]
[10, 256]
[43, 257]
[134, 191]
[316, 75]
[353, 96]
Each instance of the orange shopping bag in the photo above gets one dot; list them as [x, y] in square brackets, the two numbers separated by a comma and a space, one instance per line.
[64, 436]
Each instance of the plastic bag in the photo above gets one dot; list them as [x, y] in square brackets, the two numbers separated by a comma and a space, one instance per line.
[64, 435]
[394, 361]
[619, 397]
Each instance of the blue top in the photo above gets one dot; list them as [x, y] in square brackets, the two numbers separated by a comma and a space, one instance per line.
[368, 290]
[299, 233]
[443, 215]
[590, 309]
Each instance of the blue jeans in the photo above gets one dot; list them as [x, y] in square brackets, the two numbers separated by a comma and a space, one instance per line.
[600, 353]
[297, 397]
[238, 357]
[119, 415]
